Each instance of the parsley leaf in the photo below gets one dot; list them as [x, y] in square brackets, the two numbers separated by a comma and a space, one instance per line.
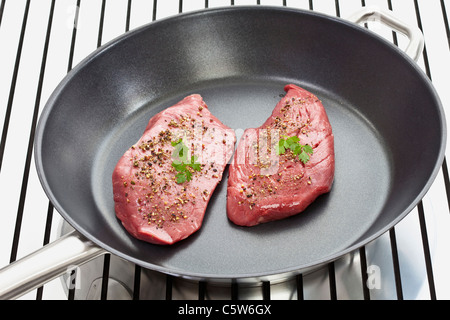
[174, 143]
[179, 154]
[308, 149]
[180, 162]
[280, 147]
[194, 165]
[292, 143]
[179, 166]
[303, 156]
[181, 177]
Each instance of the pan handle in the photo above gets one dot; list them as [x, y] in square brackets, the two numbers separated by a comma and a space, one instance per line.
[373, 13]
[45, 264]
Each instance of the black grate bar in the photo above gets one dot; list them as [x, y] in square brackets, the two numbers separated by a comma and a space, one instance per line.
[394, 34]
[234, 290]
[100, 25]
[71, 293]
[48, 228]
[137, 282]
[425, 54]
[169, 282]
[446, 181]
[74, 36]
[338, 9]
[201, 290]
[105, 276]
[364, 276]
[19, 215]
[13, 83]
[426, 251]
[2, 7]
[444, 14]
[127, 24]
[299, 284]
[332, 280]
[266, 290]
[155, 4]
[396, 264]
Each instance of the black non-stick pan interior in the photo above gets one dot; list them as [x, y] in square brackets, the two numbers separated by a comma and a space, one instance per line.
[387, 121]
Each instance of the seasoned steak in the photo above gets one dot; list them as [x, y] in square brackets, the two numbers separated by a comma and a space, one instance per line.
[163, 183]
[283, 166]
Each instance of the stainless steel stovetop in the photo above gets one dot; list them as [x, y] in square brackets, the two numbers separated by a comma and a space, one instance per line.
[42, 40]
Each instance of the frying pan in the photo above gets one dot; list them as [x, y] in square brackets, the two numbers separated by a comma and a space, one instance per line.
[387, 120]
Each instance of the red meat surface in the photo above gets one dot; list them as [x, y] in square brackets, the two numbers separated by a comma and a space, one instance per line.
[152, 205]
[264, 185]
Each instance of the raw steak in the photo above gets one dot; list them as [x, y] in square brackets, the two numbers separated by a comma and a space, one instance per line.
[156, 201]
[265, 184]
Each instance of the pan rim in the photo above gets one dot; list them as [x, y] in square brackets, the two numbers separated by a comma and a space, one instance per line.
[40, 130]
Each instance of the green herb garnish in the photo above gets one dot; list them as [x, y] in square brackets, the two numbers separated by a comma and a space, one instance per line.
[181, 163]
[292, 143]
